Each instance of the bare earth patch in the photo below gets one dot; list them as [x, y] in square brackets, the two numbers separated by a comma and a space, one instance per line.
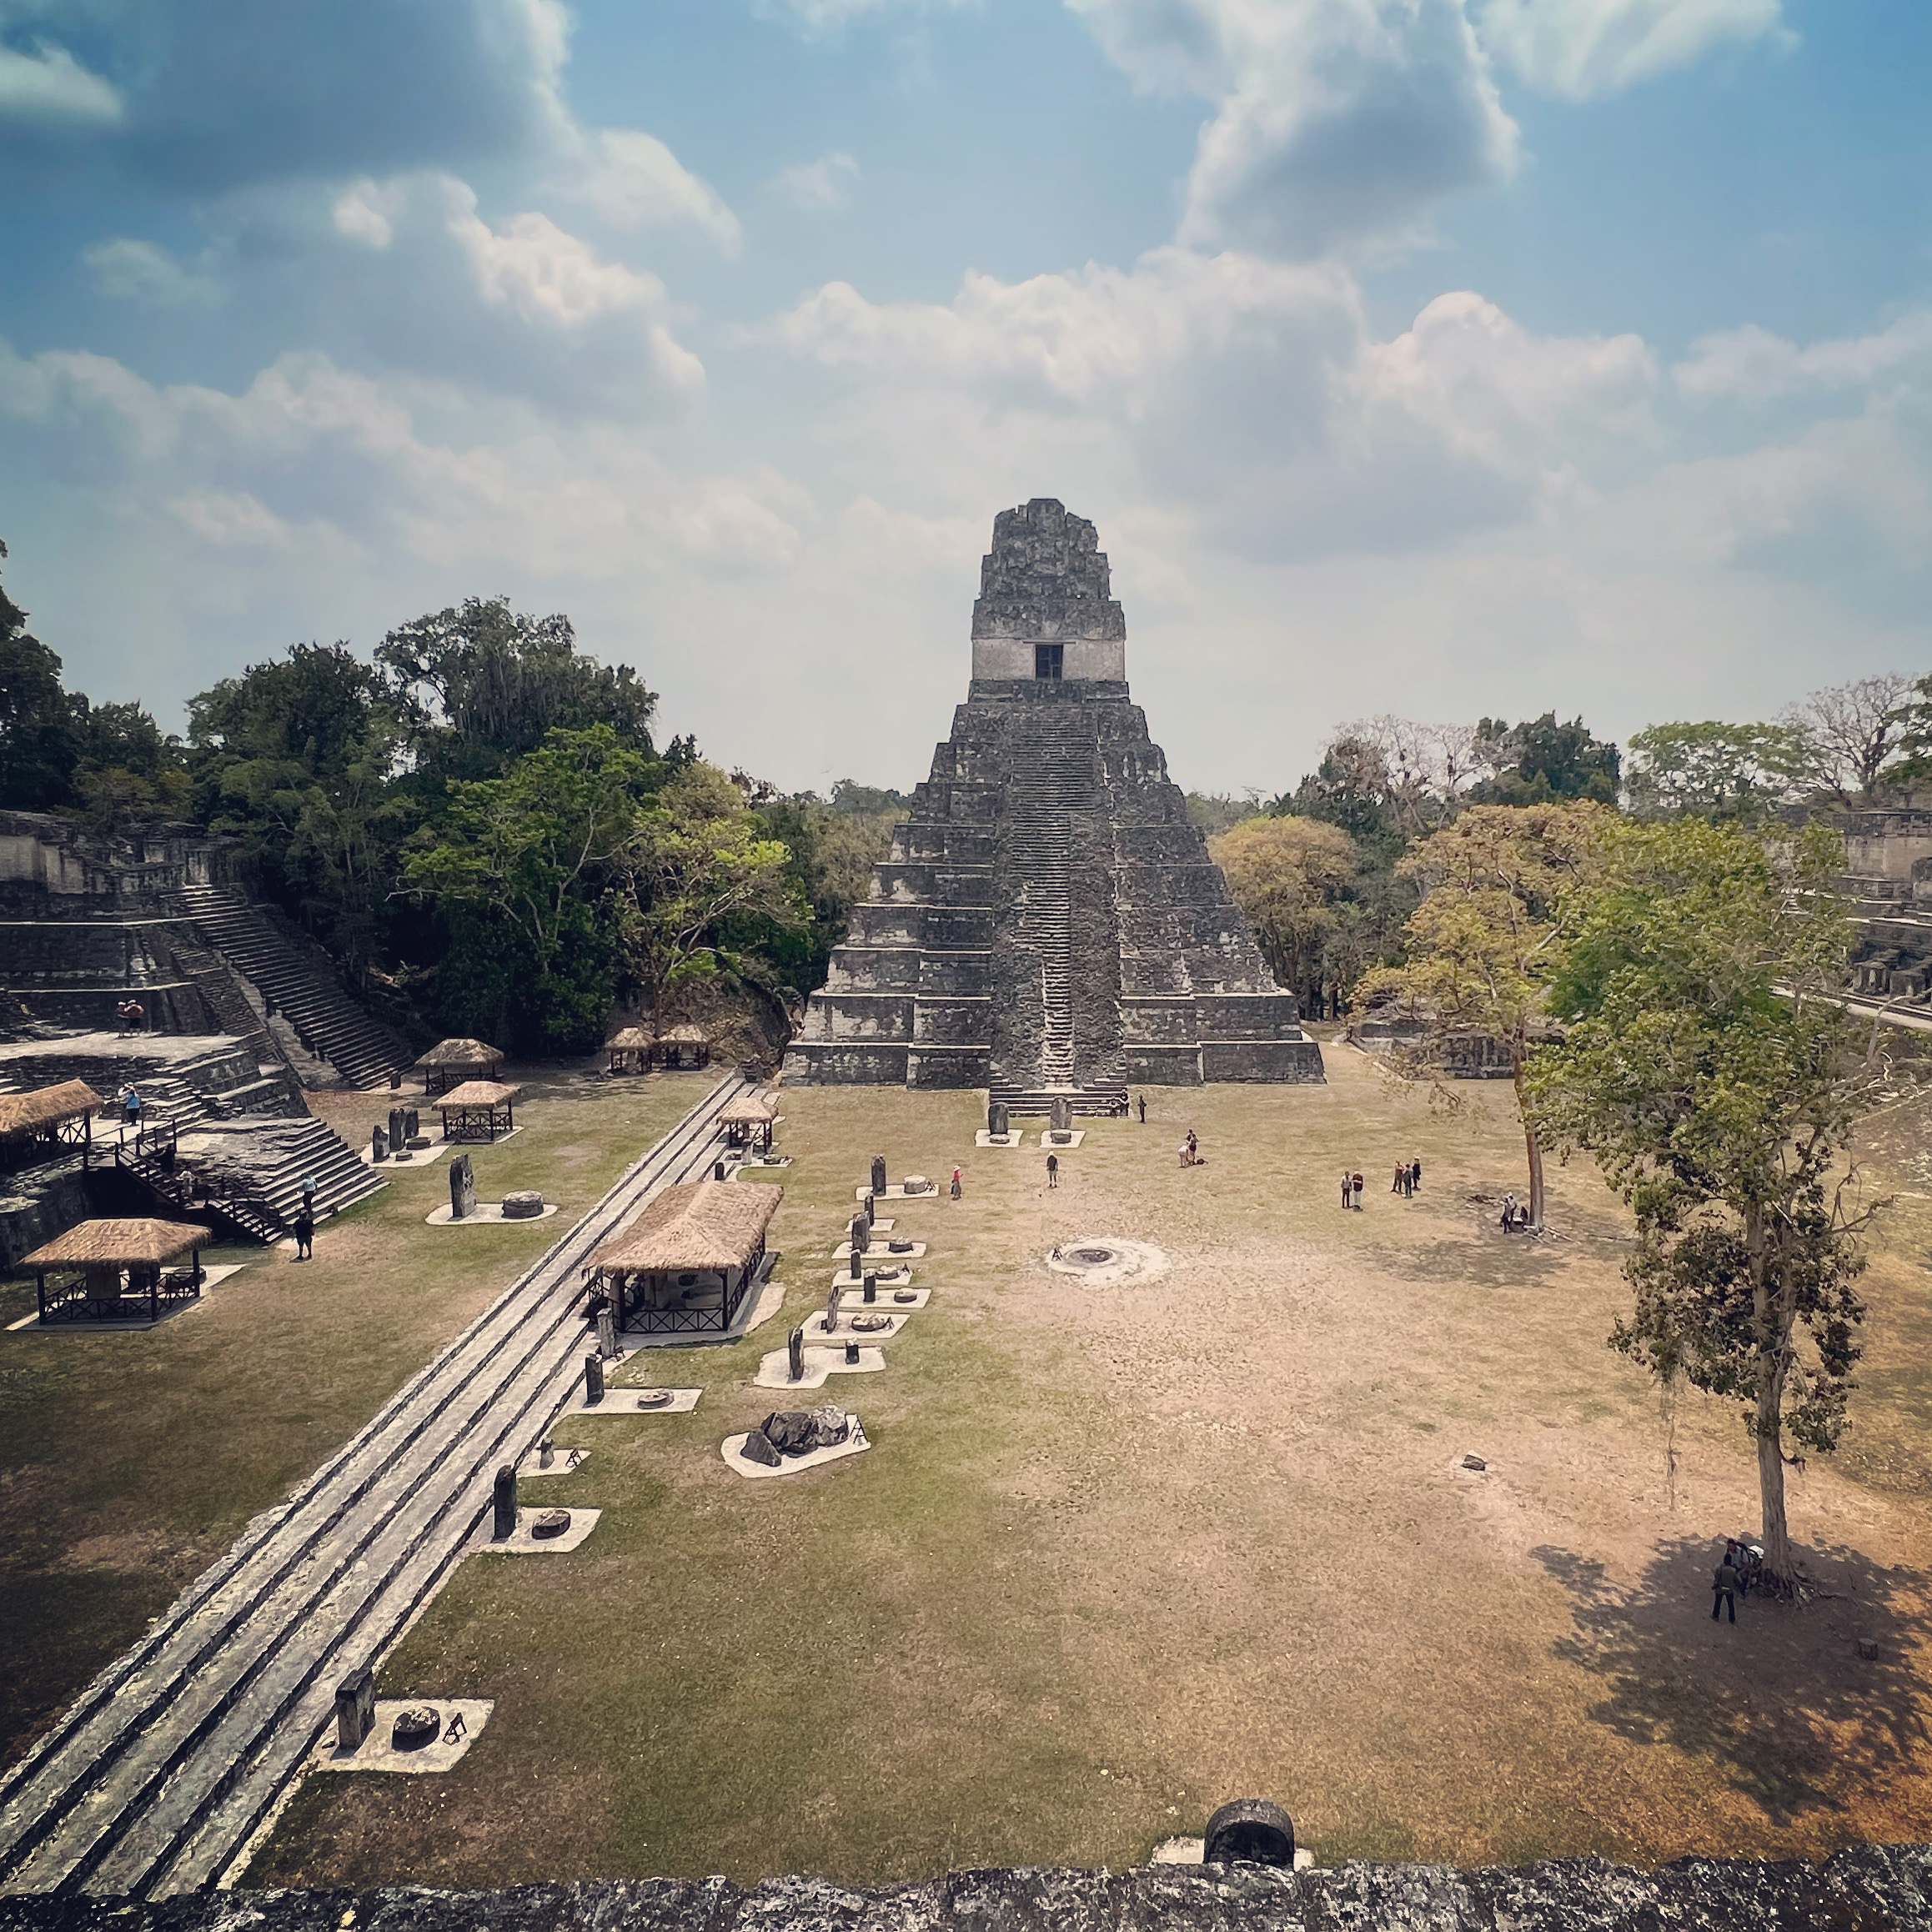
[1119, 1554]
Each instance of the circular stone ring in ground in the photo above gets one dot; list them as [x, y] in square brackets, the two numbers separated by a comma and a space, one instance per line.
[1106, 1260]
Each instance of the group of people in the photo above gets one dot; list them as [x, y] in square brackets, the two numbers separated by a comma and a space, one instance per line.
[1740, 1568]
[1190, 1150]
[1515, 1215]
[304, 1227]
[1408, 1178]
[133, 1016]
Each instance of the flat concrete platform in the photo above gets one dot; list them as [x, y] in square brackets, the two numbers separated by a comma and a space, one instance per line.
[210, 1276]
[774, 1370]
[732, 1449]
[377, 1752]
[625, 1402]
[487, 1214]
[523, 1543]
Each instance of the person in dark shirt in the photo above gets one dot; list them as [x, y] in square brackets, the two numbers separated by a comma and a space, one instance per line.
[305, 1236]
[1053, 1170]
[1725, 1590]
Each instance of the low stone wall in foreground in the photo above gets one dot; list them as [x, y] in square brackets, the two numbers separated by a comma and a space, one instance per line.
[1866, 1889]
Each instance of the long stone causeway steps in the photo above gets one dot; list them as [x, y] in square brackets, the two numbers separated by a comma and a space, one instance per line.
[157, 1777]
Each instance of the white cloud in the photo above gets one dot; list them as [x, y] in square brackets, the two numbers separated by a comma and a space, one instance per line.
[819, 187]
[146, 274]
[828, 16]
[1751, 364]
[631, 180]
[49, 88]
[365, 212]
[1337, 122]
[1581, 49]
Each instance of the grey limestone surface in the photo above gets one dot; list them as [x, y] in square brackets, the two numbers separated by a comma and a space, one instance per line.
[1863, 1888]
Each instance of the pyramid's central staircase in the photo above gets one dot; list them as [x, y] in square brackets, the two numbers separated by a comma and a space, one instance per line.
[1049, 925]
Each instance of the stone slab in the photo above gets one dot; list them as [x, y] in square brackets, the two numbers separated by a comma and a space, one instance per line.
[757, 1308]
[854, 1299]
[1186, 1851]
[418, 1156]
[523, 1543]
[620, 1401]
[377, 1752]
[211, 1277]
[843, 1252]
[899, 1277]
[898, 1193]
[774, 1370]
[983, 1139]
[732, 1447]
[815, 1329]
[1075, 1137]
[487, 1214]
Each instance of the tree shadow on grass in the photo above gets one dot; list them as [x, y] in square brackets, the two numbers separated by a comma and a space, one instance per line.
[1485, 1257]
[1781, 1705]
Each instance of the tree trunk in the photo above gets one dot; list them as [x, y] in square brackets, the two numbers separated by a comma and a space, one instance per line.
[1532, 1144]
[1770, 1335]
[1771, 1487]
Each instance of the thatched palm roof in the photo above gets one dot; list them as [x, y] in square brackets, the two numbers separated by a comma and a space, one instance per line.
[628, 1040]
[478, 1093]
[119, 1244]
[702, 1224]
[22, 1113]
[461, 1053]
[687, 1033]
[752, 1109]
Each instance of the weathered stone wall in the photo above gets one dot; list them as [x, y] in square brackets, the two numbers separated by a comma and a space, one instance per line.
[1863, 1889]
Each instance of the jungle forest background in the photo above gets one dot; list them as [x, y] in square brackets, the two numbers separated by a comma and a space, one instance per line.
[481, 826]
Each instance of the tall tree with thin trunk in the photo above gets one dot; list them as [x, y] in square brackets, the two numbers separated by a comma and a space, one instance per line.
[1489, 937]
[1709, 1068]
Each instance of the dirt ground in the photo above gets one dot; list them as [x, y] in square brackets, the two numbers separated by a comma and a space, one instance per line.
[1120, 1553]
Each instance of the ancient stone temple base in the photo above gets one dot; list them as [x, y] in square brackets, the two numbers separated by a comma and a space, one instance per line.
[1049, 925]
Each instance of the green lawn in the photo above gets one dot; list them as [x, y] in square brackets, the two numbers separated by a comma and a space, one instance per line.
[129, 1461]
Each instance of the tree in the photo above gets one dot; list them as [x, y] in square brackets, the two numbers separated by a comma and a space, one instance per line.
[1539, 762]
[481, 685]
[1844, 737]
[703, 883]
[1428, 770]
[1288, 875]
[834, 845]
[39, 724]
[1710, 1069]
[541, 852]
[1711, 771]
[1489, 935]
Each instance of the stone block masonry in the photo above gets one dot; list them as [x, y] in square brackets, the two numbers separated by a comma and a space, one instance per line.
[1048, 923]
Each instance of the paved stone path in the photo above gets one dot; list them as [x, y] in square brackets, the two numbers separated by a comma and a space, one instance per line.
[157, 1778]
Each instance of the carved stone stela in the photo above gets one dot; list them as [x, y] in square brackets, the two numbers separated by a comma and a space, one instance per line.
[1049, 924]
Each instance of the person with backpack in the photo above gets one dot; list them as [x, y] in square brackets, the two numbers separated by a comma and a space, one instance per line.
[1053, 1170]
[1724, 1589]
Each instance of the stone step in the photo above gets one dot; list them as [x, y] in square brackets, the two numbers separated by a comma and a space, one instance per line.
[154, 1780]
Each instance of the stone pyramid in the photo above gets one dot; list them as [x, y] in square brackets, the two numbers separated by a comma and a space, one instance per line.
[1049, 925]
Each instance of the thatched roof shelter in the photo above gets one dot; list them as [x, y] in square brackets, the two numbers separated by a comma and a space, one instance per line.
[96, 1251]
[479, 1093]
[629, 1039]
[46, 1107]
[714, 1225]
[460, 1053]
[686, 1033]
[748, 1110]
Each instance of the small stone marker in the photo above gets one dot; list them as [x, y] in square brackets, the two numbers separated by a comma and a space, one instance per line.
[861, 1234]
[1250, 1830]
[852, 1354]
[606, 1334]
[420, 1724]
[355, 1709]
[546, 1453]
[1474, 1463]
[832, 1311]
[399, 1128]
[871, 1291]
[998, 1120]
[717, 1170]
[462, 1188]
[550, 1522]
[855, 1265]
[504, 1500]
[525, 1204]
[795, 1354]
[378, 1144]
[906, 1295]
[1062, 1121]
[758, 1449]
[593, 1380]
[878, 1173]
[871, 1207]
[413, 1126]
[1867, 1648]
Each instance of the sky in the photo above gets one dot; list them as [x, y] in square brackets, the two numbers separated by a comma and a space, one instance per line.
[1445, 357]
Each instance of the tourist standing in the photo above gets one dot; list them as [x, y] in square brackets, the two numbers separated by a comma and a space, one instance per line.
[1355, 1185]
[1415, 1175]
[131, 1106]
[956, 1185]
[304, 1236]
[1143, 1110]
[1395, 1186]
[1725, 1590]
[1348, 1188]
[1053, 1170]
[1193, 1150]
